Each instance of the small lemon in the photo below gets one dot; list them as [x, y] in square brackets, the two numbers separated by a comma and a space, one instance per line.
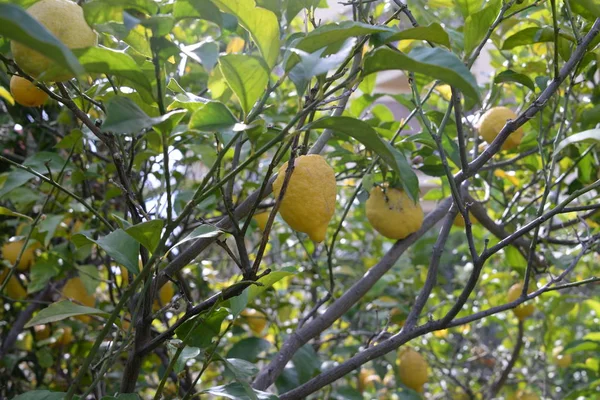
[459, 221]
[75, 290]
[26, 93]
[524, 310]
[261, 219]
[165, 294]
[309, 200]
[413, 369]
[392, 213]
[561, 360]
[256, 320]
[65, 20]
[492, 123]
[13, 288]
[11, 250]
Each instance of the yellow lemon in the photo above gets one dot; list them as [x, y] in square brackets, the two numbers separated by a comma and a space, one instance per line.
[459, 221]
[65, 338]
[392, 213]
[366, 379]
[26, 93]
[75, 290]
[309, 200]
[65, 20]
[492, 123]
[524, 310]
[165, 294]
[561, 360]
[13, 288]
[261, 219]
[11, 250]
[255, 319]
[522, 395]
[413, 369]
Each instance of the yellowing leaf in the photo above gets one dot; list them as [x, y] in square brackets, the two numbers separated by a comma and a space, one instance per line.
[6, 95]
[501, 174]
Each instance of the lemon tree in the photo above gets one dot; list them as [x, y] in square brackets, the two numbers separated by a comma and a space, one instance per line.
[277, 199]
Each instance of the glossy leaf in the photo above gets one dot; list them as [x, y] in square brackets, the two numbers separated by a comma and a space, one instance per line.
[237, 391]
[40, 395]
[124, 116]
[59, 311]
[511, 76]
[249, 348]
[434, 62]
[268, 281]
[478, 24]
[530, 36]
[202, 9]
[364, 133]
[147, 233]
[99, 11]
[205, 329]
[16, 24]
[589, 9]
[261, 23]
[432, 33]
[211, 117]
[123, 248]
[246, 76]
[593, 135]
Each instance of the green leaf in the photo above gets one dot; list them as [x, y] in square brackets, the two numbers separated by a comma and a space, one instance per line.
[90, 277]
[212, 117]
[468, 7]
[100, 11]
[40, 395]
[433, 33]
[240, 368]
[246, 76]
[147, 233]
[73, 140]
[511, 76]
[365, 134]
[435, 62]
[267, 281]
[59, 311]
[188, 353]
[10, 213]
[530, 36]
[209, 327]
[102, 60]
[589, 9]
[582, 346]
[40, 162]
[592, 135]
[124, 116]
[44, 269]
[237, 391]
[331, 34]
[262, 25]
[307, 363]
[313, 64]
[122, 247]
[478, 24]
[201, 9]
[249, 348]
[17, 25]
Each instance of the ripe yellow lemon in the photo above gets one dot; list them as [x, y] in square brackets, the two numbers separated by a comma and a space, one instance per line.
[561, 360]
[412, 369]
[11, 250]
[26, 93]
[492, 123]
[165, 294]
[261, 219]
[255, 319]
[309, 200]
[75, 290]
[13, 288]
[459, 221]
[524, 310]
[64, 19]
[392, 213]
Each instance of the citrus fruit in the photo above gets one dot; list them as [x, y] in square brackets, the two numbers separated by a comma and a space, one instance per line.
[493, 121]
[165, 294]
[524, 310]
[255, 319]
[11, 250]
[41, 332]
[13, 288]
[366, 379]
[309, 200]
[459, 221]
[75, 290]
[392, 213]
[561, 360]
[64, 19]
[65, 338]
[412, 369]
[26, 93]
[261, 219]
